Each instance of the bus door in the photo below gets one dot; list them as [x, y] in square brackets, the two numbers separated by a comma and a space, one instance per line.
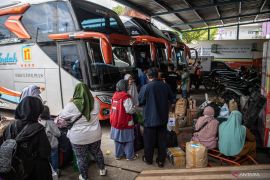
[70, 57]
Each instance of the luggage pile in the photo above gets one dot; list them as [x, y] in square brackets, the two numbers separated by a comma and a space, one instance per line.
[185, 112]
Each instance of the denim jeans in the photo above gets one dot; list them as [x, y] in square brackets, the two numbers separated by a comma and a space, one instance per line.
[54, 158]
[184, 93]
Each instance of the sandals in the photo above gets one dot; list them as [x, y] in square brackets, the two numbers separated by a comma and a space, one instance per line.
[136, 156]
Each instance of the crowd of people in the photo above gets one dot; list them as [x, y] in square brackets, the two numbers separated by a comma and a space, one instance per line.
[39, 150]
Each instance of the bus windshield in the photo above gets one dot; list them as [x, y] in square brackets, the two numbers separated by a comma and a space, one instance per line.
[95, 18]
[122, 56]
[151, 28]
[105, 76]
[180, 56]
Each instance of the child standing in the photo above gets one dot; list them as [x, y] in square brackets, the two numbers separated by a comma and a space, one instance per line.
[52, 133]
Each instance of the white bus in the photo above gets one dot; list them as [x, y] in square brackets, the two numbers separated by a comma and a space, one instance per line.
[58, 43]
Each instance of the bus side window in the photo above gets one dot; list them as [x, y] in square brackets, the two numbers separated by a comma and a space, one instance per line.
[70, 60]
[4, 32]
[43, 19]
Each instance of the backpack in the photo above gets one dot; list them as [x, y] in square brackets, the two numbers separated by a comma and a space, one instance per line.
[10, 164]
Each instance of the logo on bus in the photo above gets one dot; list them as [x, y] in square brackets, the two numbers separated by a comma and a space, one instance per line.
[8, 58]
[26, 54]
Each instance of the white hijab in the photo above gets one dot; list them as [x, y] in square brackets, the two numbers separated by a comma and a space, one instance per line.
[132, 91]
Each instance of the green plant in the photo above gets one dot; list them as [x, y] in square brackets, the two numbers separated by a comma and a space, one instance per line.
[120, 10]
[194, 36]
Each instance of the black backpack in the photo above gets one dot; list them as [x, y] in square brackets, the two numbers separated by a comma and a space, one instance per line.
[11, 165]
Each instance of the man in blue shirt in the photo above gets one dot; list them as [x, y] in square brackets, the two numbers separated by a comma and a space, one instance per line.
[155, 97]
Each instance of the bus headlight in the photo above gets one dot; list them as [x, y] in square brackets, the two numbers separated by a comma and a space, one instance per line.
[105, 99]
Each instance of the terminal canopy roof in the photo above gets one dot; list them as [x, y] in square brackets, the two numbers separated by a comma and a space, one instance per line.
[190, 14]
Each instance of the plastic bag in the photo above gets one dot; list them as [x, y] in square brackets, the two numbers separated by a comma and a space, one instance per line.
[224, 111]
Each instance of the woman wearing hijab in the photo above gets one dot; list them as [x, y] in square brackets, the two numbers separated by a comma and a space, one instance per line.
[206, 129]
[122, 130]
[236, 139]
[33, 147]
[132, 89]
[31, 90]
[85, 133]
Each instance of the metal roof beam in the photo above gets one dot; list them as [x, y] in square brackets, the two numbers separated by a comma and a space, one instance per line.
[197, 14]
[261, 8]
[200, 29]
[223, 18]
[165, 6]
[198, 7]
[218, 12]
[239, 11]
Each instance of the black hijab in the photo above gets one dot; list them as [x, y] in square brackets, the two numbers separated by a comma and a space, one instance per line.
[27, 112]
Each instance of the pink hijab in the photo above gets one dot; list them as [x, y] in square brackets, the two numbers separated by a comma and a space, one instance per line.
[208, 135]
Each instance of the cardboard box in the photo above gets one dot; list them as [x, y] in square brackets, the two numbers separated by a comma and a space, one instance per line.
[177, 157]
[191, 114]
[180, 107]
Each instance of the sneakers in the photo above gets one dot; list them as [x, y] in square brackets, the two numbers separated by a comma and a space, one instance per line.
[103, 172]
[80, 177]
[136, 156]
[119, 158]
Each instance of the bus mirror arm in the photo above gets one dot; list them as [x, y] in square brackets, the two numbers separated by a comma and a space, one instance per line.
[37, 34]
[106, 49]
[105, 43]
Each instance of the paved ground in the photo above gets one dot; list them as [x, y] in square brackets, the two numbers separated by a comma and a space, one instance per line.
[128, 170]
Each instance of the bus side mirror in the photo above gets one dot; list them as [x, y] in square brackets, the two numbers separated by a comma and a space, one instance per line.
[153, 51]
[106, 49]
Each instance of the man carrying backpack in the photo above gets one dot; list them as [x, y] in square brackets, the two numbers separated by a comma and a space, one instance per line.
[27, 138]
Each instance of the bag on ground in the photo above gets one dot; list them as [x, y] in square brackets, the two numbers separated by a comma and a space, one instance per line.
[172, 139]
[196, 155]
[138, 141]
[177, 157]
[180, 107]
